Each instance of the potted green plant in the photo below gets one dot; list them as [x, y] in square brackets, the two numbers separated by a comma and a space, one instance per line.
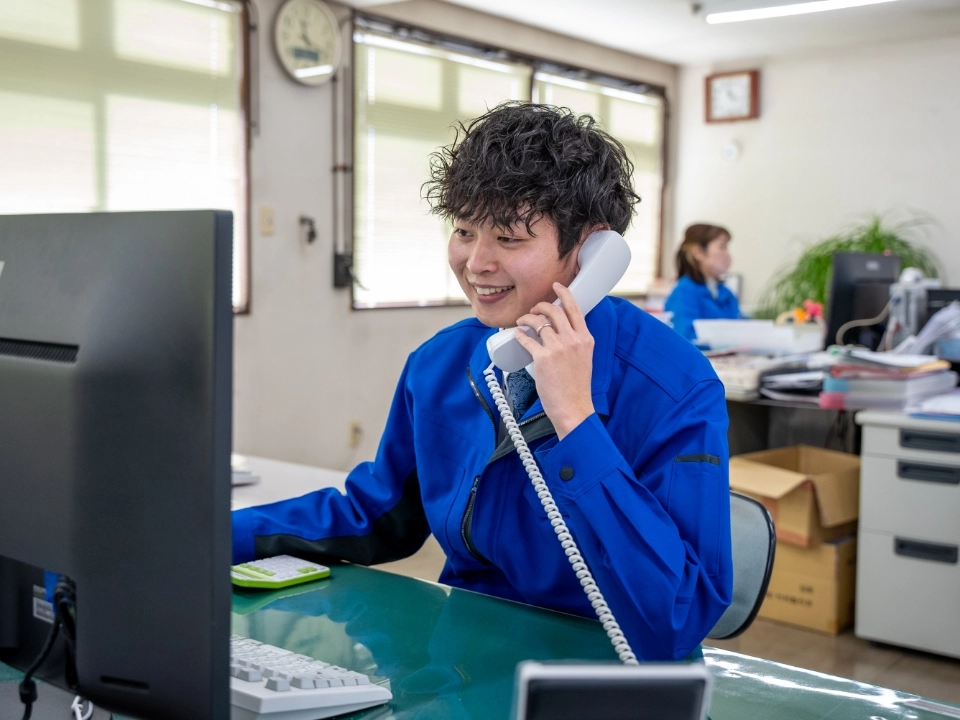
[809, 278]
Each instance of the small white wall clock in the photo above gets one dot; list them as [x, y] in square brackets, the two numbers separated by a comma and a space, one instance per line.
[306, 36]
[733, 96]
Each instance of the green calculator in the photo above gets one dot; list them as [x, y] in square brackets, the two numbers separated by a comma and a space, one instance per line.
[276, 572]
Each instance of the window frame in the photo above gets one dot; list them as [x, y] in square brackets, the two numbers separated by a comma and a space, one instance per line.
[247, 67]
[91, 15]
[410, 32]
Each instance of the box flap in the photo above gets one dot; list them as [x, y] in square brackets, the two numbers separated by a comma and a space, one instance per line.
[838, 497]
[818, 461]
[763, 480]
[836, 479]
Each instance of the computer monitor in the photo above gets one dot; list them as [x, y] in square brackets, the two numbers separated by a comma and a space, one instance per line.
[859, 290]
[115, 425]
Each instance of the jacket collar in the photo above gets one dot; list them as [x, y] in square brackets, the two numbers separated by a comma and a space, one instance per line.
[602, 323]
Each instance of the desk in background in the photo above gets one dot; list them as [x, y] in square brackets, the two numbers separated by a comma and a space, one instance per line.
[908, 569]
[764, 424]
[280, 480]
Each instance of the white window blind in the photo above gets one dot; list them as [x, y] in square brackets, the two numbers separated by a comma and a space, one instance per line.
[124, 105]
[636, 120]
[408, 95]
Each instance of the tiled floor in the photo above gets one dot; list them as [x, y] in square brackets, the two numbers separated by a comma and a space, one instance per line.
[844, 655]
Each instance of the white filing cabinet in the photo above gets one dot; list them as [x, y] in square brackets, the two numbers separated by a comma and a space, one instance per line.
[908, 573]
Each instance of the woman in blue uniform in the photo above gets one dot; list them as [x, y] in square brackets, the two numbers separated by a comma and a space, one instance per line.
[702, 262]
[626, 420]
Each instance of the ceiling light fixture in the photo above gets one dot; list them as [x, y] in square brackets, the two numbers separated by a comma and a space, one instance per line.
[785, 10]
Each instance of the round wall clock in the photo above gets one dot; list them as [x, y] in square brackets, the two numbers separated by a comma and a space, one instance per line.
[307, 39]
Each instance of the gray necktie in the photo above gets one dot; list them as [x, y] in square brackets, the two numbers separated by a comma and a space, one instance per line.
[523, 392]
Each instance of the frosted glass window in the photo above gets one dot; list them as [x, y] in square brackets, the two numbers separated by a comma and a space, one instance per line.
[399, 78]
[633, 121]
[408, 95]
[44, 22]
[143, 115]
[406, 260]
[176, 34]
[636, 120]
[479, 89]
[48, 150]
[170, 155]
[577, 96]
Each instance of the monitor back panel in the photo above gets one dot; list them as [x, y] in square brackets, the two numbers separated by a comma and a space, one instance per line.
[850, 270]
[115, 384]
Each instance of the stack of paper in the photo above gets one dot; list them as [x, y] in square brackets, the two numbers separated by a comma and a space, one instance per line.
[888, 381]
[941, 407]
[803, 386]
[943, 325]
[740, 374]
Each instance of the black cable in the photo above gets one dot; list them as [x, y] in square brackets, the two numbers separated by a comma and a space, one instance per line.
[28, 688]
[65, 600]
[64, 604]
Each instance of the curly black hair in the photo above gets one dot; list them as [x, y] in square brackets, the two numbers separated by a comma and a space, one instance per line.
[523, 161]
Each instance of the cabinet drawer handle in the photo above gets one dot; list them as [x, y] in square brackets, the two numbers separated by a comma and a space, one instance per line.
[926, 551]
[928, 473]
[941, 442]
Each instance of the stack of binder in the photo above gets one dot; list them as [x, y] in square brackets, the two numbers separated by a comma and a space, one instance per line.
[884, 381]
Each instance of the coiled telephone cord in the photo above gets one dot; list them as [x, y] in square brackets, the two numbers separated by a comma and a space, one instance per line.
[609, 622]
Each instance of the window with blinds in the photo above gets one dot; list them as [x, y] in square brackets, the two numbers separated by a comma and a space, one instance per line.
[408, 95]
[124, 105]
[636, 120]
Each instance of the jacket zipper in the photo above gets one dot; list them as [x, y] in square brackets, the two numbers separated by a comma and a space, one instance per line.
[476, 392]
[466, 525]
[531, 419]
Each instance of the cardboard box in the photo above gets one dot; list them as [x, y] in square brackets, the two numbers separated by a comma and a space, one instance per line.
[813, 587]
[812, 494]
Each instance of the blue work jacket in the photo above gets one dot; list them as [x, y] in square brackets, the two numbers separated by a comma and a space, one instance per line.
[691, 301]
[642, 484]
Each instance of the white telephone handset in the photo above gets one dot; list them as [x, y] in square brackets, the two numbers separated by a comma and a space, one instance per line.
[603, 260]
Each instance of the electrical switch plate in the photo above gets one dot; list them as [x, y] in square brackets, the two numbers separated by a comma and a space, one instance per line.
[356, 433]
[266, 220]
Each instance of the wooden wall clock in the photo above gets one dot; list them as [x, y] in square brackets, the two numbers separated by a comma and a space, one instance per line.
[733, 96]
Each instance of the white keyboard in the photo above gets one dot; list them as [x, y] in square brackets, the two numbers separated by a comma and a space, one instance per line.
[269, 683]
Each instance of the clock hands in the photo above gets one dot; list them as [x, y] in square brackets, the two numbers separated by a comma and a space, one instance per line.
[304, 35]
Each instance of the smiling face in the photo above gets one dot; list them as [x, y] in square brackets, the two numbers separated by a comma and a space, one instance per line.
[505, 272]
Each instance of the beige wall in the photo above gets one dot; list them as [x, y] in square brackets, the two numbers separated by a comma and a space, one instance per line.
[306, 365]
[874, 129]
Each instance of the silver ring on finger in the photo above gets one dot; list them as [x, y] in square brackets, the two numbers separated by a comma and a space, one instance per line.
[546, 324]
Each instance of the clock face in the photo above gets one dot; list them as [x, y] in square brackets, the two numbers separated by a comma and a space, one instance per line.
[731, 97]
[307, 39]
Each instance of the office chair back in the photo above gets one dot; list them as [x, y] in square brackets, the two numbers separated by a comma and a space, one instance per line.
[754, 543]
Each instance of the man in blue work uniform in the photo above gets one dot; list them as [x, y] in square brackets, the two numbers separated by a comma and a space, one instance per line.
[626, 419]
